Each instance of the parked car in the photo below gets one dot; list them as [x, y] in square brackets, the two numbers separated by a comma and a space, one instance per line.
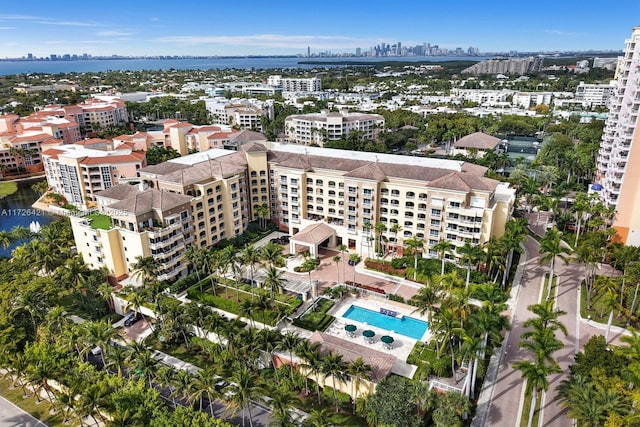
[133, 318]
[352, 262]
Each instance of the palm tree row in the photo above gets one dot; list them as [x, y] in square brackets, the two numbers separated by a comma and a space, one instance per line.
[541, 342]
[467, 332]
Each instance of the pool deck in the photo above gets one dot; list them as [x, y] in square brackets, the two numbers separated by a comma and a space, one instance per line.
[402, 345]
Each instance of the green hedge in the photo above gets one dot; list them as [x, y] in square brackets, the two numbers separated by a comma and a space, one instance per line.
[317, 319]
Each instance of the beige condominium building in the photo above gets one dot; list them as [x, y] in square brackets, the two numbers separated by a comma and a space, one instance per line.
[322, 197]
[351, 191]
[141, 222]
[618, 160]
[316, 128]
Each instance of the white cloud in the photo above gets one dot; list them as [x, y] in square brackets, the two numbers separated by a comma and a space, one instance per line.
[274, 40]
[48, 21]
[114, 33]
[564, 33]
[7, 28]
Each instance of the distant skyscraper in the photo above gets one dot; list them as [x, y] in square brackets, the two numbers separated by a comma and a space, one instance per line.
[358, 51]
[618, 160]
[308, 51]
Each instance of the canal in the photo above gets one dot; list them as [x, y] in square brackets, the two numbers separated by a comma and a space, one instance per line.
[16, 210]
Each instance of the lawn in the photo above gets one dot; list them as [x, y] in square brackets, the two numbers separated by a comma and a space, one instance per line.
[424, 356]
[8, 188]
[317, 319]
[227, 298]
[598, 311]
[524, 420]
[100, 221]
[41, 411]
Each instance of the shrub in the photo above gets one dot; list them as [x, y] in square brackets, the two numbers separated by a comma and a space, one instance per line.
[343, 398]
[384, 267]
[366, 287]
[398, 298]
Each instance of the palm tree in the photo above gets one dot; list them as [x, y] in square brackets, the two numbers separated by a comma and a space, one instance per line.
[263, 212]
[354, 258]
[289, 343]
[332, 365]
[243, 388]
[536, 374]
[319, 418]
[306, 351]
[281, 403]
[251, 256]
[274, 280]
[135, 302]
[343, 249]
[99, 334]
[379, 229]
[515, 235]
[145, 268]
[415, 245]
[337, 259]
[194, 255]
[581, 204]
[6, 239]
[443, 247]
[225, 261]
[357, 371]
[272, 254]
[395, 229]
[551, 246]
[470, 254]
[446, 328]
[426, 298]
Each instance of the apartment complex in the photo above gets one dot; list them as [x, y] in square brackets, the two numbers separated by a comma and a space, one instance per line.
[93, 113]
[519, 66]
[595, 95]
[239, 115]
[22, 140]
[316, 128]
[290, 84]
[618, 160]
[79, 171]
[319, 196]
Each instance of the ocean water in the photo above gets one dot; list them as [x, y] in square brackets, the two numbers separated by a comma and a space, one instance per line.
[98, 65]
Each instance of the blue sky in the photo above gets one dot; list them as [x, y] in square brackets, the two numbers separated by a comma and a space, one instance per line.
[207, 27]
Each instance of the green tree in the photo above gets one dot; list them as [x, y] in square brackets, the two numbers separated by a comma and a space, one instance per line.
[552, 246]
[443, 247]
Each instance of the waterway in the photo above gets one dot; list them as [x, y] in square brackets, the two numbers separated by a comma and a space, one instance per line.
[16, 210]
[98, 65]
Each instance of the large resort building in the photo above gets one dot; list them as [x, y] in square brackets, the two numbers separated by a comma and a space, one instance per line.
[322, 197]
[618, 160]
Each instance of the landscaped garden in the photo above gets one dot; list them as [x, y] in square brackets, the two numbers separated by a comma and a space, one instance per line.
[316, 318]
[240, 299]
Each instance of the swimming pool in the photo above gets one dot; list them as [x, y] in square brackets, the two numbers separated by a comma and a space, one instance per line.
[403, 325]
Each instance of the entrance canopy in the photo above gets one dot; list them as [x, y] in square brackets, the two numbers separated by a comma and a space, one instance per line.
[312, 237]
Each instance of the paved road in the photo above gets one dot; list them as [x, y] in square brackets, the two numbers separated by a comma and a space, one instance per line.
[12, 416]
[508, 388]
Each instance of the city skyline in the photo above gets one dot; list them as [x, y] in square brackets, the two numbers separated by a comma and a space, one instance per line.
[285, 28]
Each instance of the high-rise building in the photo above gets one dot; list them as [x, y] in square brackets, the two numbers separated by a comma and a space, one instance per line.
[618, 160]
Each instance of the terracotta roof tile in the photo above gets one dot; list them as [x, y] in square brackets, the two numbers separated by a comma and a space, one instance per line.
[478, 140]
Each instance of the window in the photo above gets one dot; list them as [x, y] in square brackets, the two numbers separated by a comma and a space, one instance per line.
[455, 205]
[319, 182]
[395, 193]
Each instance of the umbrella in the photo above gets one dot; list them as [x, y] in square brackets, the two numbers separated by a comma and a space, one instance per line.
[386, 339]
[369, 333]
[350, 328]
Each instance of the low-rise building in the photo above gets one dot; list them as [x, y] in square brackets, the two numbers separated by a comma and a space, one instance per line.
[595, 95]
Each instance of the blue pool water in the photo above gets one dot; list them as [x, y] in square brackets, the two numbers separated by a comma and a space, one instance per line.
[403, 325]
